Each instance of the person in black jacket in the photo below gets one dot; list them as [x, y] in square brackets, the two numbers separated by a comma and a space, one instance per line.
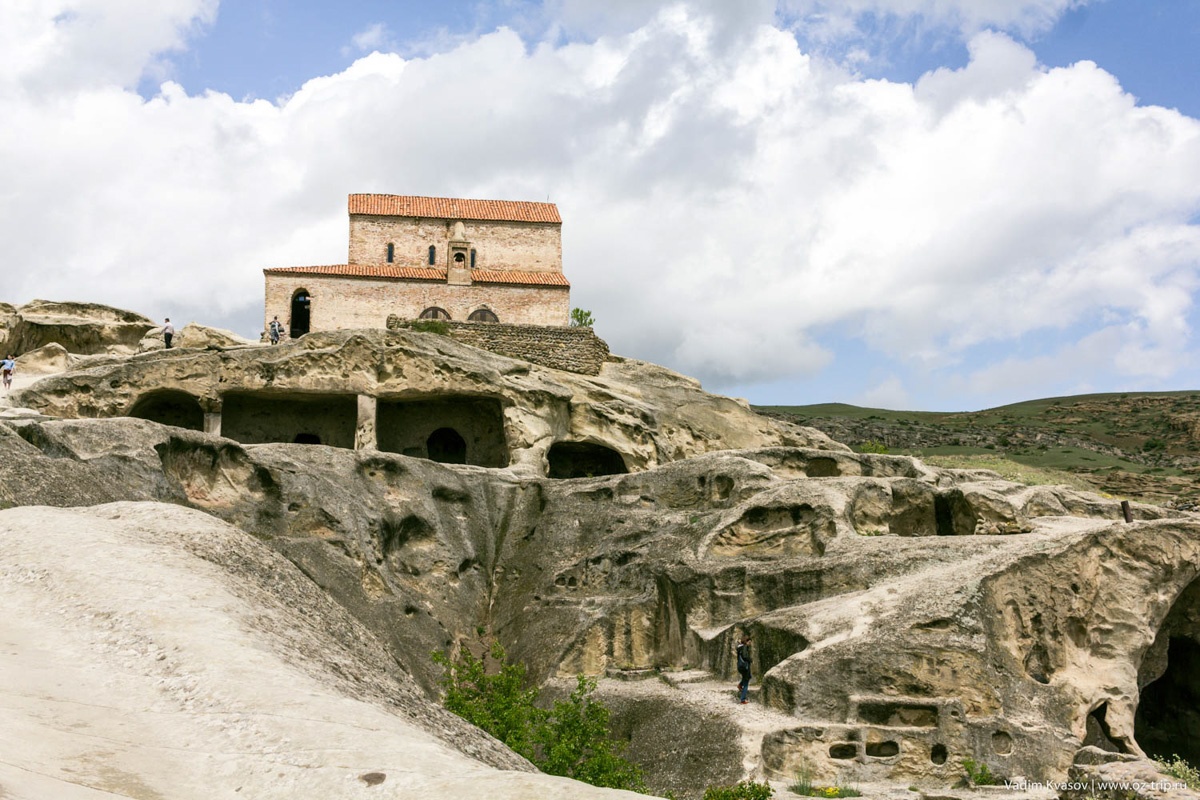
[743, 665]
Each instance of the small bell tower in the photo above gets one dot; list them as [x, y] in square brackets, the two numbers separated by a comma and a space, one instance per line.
[459, 268]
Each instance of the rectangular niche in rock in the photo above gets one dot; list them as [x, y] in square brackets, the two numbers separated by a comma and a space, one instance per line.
[258, 417]
[452, 429]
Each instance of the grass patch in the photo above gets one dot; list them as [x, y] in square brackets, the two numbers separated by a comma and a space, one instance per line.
[805, 787]
[746, 790]
[1012, 470]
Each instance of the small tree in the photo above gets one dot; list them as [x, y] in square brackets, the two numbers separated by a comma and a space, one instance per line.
[499, 703]
[581, 318]
[571, 739]
[575, 743]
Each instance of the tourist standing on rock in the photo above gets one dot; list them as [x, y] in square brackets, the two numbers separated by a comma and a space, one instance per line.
[8, 366]
[743, 665]
[274, 329]
[168, 332]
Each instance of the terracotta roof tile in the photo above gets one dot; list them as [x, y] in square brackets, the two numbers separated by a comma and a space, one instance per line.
[391, 205]
[366, 271]
[527, 278]
[388, 271]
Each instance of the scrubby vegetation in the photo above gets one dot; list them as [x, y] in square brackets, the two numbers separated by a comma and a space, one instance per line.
[571, 738]
[1179, 768]
[746, 790]
[1138, 446]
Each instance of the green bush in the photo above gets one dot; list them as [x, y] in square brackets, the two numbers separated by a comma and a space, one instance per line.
[979, 773]
[745, 790]
[499, 703]
[570, 739]
[1177, 767]
[581, 318]
[872, 446]
[430, 326]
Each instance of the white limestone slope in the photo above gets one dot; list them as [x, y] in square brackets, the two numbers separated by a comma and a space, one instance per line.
[151, 651]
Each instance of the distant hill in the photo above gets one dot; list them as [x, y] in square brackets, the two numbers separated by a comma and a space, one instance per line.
[1143, 446]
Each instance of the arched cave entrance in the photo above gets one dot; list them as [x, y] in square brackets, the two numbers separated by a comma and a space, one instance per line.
[584, 460]
[258, 417]
[1167, 721]
[445, 446]
[452, 429]
[301, 313]
[170, 407]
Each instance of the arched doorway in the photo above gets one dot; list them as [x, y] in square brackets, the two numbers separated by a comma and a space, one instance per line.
[301, 313]
[446, 446]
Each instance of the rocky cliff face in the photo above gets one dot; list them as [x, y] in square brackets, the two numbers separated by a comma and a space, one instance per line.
[904, 618]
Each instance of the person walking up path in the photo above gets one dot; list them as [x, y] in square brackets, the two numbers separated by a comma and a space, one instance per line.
[274, 330]
[743, 666]
[168, 332]
[8, 366]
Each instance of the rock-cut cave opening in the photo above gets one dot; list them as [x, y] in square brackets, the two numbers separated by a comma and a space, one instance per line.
[584, 460]
[1167, 721]
[170, 407]
[451, 429]
[258, 417]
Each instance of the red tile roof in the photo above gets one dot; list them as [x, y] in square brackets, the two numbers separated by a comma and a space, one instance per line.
[391, 205]
[366, 271]
[527, 278]
[389, 271]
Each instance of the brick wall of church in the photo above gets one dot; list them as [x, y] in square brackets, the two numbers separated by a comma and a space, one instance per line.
[346, 302]
[528, 246]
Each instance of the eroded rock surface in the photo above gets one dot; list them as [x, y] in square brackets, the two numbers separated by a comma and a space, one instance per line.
[396, 390]
[151, 651]
[904, 618]
[85, 328]
[630, 525]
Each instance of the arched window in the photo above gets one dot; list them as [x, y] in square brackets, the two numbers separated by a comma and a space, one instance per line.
[391, 253]
[483, 315]
[432, 255]
[301, 314]
[433, 312]
[472, 258]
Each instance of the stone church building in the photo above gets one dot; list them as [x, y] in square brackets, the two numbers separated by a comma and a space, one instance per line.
[431, 258]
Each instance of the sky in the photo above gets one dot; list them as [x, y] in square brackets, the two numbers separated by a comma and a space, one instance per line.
[911, 204]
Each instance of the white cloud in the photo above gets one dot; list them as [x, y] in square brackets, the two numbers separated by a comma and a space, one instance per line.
[374, 37]
[49, 46]
[728, 209]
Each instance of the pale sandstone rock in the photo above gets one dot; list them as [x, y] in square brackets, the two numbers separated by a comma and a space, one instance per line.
[647, 414]
[195, 335]
[877, 639]
[905, 617]
[86, 328]
[153, 651]
[45, 360]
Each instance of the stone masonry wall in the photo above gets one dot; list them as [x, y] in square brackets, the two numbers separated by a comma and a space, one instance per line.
[577, 350]
[350, 302]
[528, 246]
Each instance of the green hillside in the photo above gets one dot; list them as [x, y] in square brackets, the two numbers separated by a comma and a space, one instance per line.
[1143, 446]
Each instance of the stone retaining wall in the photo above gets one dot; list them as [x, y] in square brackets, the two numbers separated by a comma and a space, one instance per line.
[577, 350]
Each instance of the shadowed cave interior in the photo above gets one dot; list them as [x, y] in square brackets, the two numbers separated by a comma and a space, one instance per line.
[1167, 721]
